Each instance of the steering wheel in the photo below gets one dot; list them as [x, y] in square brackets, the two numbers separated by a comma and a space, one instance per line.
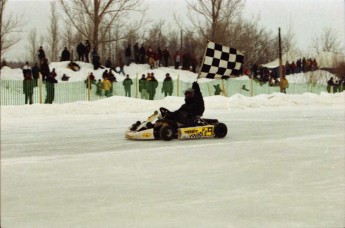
[165, 112]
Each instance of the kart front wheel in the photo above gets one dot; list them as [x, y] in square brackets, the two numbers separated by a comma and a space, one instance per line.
[220, 130]
[167, 133]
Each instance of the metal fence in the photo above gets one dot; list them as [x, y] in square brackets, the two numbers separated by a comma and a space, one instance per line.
[11, 91]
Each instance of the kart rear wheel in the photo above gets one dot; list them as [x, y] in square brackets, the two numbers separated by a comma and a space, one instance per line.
[220, 130]
[167, 133]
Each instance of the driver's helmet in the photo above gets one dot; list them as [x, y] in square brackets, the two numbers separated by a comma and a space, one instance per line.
[189, 92]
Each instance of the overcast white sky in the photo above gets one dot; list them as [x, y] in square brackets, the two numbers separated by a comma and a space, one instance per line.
[307, 18]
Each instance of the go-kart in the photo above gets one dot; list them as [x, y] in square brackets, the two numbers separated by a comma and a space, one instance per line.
[158, 126]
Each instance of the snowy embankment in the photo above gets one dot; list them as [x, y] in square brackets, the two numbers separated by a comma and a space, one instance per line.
[136, 70]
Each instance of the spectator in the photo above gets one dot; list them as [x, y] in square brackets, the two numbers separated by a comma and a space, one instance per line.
[35, 73]
[142, 54]
[168, 85]
[81, 51]
[108, 63]
[45, 70]
[152, 85]
[99, 86]
[284, 84]
[336, 87]
[120, 69]
[143, 87]
[112, 80]
[194, 63]
[73, 66]
[50, 87]
[186, 61]
[166, 56]
[156, 58]
[177, 59]
[53, 73]
[136, 53]
[65, 55]
[27, 70]
[87, 50]
[92, 79]
[64, 77]
[95, 59]
[330, 84]
[106, 87]
[127, 83]
[217, 89]
[41, 54]
[128, 54]
[28, 88]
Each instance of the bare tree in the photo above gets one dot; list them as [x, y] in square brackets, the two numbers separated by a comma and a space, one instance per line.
[215, 17]
[327, 41]
[53, 34]
[8, 28]
[94, 18]
[33, 47]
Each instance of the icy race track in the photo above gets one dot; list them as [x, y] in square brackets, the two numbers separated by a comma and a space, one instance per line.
[70, 166]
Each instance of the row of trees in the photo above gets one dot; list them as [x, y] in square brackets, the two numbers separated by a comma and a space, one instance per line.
[110, 25]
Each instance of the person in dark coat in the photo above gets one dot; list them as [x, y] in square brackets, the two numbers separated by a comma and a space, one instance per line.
[65, 55]
[87, 50]
[166, 56]
[136, 53]
[168, 85]
[95, 60]
[194, 106]
[81, 51]
[35, 73]
[27, 70]
[45, 70]
[28, 88]
[64, 77]
[143, 87]
[330, 85]
[41, 54]
[128, 55]
[50, 87]
[142, 54]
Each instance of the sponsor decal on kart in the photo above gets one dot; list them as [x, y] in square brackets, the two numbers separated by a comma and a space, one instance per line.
[197, 132]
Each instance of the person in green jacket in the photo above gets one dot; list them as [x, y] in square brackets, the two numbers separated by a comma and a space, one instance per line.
[28, 88]
[168, 85]
[217, 89]
[99, 86]
[50, 87]
[152, 85]
[143, 87]
[127, 83]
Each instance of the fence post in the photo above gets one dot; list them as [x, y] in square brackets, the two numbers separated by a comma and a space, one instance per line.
[136, 85]
[178, 85]
[223, 88]
[88, 88]
[40, 87]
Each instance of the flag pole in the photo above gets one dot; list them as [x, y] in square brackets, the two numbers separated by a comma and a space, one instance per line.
[280, 62]
[202, 61]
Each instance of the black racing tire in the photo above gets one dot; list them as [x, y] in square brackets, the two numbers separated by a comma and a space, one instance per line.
[220, 130]
[167, 133]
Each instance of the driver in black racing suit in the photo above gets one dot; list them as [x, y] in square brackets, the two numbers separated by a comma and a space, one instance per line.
[194, 106]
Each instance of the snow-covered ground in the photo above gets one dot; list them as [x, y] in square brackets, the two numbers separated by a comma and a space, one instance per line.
[282, 164]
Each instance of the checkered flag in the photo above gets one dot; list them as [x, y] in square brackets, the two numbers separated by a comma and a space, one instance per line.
[220, 62]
